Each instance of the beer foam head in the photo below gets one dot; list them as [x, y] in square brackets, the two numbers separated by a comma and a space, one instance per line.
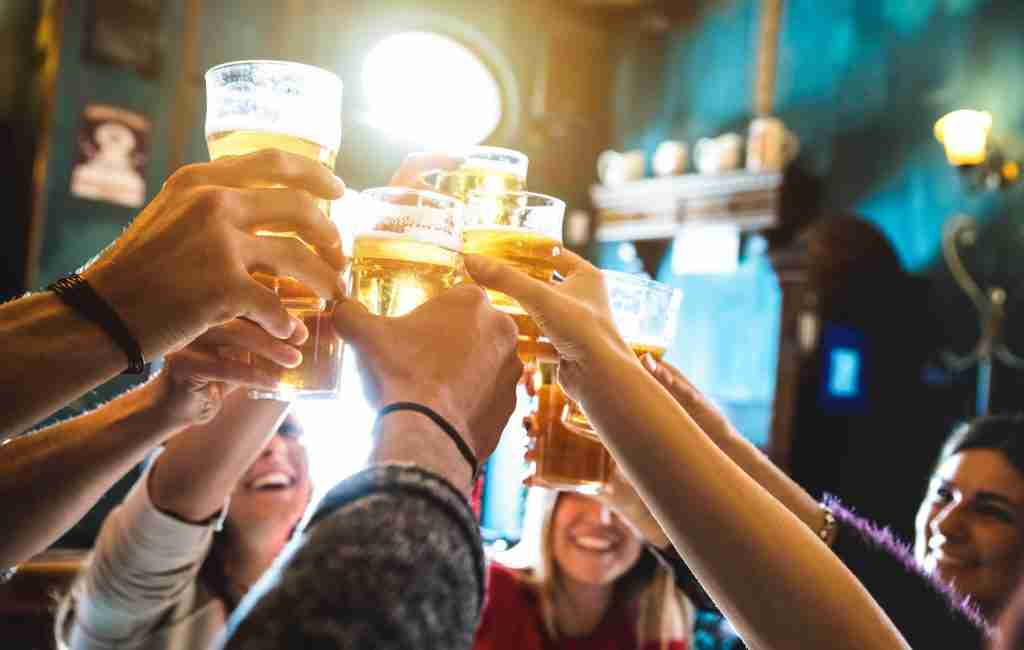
[508, 161]
[437, 219]
[276, 97]
[644, 311]
[526, 211]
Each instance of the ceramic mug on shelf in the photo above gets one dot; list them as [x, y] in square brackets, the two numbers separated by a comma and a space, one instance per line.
[614, 168]
[770, 146]
[669, 158]
[721, 154]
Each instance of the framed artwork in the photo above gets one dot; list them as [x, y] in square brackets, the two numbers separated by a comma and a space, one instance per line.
[125, 33]
[112, 148]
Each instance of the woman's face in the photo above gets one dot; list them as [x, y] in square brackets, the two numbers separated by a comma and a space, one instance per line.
[275, 490]
[969, 526]
[592, 544]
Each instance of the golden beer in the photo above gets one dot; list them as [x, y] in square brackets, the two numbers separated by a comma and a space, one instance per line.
[467, 179]
[563, 459]
[491, 170]
[320, 371]
[319, 374]
[573, 414]
[240, 143]
[393, 274]
[530, 252]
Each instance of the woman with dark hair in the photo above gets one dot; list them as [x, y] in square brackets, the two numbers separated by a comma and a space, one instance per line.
[962, 541]
[970, 526]
[206, 519]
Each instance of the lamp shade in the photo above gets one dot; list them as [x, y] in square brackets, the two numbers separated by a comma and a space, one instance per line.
[964, 134]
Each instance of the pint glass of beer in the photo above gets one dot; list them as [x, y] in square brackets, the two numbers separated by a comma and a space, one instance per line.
[562, 458]
[484, 169]
[253, 105]
[406, 248]
[523, 229]
[646, 314]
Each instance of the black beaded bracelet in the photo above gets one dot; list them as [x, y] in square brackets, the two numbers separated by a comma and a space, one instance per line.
[444, 425]
[77, 294]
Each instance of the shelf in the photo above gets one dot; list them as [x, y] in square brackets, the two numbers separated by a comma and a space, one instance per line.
[655, 208]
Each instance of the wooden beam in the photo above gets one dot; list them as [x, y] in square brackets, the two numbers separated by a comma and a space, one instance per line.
[49, 38]
[767, 57]
[185, 89]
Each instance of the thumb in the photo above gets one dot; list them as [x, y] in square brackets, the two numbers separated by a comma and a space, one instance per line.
[352, 321]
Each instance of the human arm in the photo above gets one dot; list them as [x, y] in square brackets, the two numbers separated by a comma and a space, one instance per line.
[778, 584]
[200, 467]
[52, 477]
[181, 267]
[393, 556]
[738, 448]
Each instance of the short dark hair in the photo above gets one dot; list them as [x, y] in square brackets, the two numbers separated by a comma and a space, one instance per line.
[1003, 433]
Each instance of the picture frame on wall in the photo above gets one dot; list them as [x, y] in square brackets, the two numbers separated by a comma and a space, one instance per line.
[112, 150]
[125, 33]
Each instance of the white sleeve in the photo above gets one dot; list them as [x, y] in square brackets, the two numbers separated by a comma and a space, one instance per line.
[144, 564]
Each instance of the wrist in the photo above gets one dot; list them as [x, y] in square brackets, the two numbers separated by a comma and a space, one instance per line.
[409, 437]
[437, 401]
[137, 308]
[155, 406]
[612, 360]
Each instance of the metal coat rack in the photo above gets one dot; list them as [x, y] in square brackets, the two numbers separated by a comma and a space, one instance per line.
[991, 307]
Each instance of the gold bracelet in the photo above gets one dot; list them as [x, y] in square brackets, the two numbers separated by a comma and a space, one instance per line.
[827, 533]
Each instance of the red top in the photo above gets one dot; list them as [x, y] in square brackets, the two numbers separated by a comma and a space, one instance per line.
[512, 620]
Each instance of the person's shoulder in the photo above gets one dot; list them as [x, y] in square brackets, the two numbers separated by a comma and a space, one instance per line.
[501, 578]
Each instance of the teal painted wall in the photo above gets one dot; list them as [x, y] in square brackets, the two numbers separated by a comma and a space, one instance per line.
[861, 82]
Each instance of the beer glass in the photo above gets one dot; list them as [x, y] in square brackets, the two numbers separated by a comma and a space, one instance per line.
[562, 458]
[523, 229]
[571, 456]
[405, 248]
[253, 105]
[484, 169]
[645, 313]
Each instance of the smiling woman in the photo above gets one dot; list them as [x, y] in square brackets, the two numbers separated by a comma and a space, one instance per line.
[581, 579]
[970, 526]
[202, 524]
[431, 90]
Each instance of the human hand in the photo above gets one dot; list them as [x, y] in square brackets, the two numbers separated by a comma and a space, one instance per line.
[185, 262]
[194, 381]
[574, 314]
[700, 408]
[454, 354]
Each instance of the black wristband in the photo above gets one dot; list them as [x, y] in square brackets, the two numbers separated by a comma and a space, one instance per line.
[77, 294]
[444, 425]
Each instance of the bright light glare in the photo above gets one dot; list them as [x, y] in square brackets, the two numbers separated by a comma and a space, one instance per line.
[431, 90]
[338, 432]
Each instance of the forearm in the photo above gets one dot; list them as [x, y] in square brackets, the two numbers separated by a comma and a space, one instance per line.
[50, 478]
[200, 467]
[392, 559]
[767, 474]
[790, 590]
[51, 357]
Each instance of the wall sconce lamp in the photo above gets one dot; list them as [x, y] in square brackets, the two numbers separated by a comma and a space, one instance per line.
[964, 134]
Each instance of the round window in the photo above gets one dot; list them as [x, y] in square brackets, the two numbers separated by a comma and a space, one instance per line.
[431, 89]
